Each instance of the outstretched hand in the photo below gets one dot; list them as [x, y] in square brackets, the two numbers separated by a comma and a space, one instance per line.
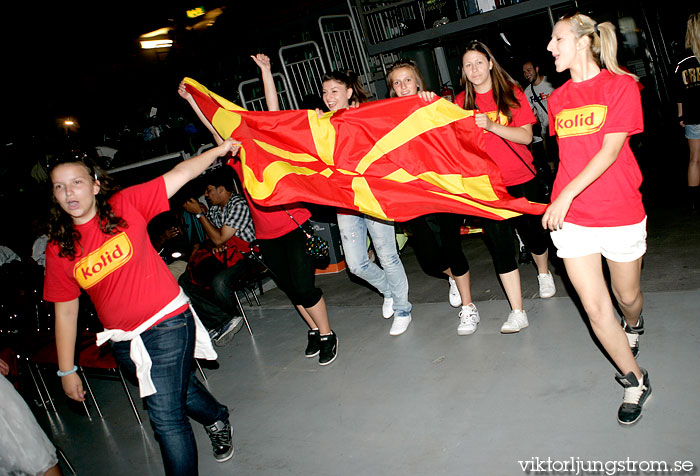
[229, 145]
[182, 91]
[263, 61]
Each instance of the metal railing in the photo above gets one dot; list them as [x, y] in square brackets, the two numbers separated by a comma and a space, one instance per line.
[341, 42]
[303, 68]
[252, 93]
[383, 21]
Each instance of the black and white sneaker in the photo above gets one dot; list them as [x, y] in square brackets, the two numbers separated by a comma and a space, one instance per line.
[636, 395]
[633, 334]
[329, 348]
[221, 436]
[313, 348]
[225, 334]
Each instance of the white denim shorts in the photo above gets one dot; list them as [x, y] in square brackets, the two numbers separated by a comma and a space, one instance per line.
[621, 244]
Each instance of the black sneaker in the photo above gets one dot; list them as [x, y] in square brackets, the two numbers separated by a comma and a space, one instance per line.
[633, 334]
[636, 395]
[225, 334]
[314, 346]
[221, 436]
[329, 348]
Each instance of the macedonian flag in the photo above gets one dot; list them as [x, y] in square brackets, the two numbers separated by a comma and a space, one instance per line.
[392, 159]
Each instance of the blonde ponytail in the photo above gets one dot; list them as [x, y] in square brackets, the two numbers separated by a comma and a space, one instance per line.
[603, 41]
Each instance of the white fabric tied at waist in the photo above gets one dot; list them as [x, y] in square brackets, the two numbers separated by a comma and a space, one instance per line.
[203, 348]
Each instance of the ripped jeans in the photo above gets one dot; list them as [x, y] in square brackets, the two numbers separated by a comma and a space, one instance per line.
[390, 281]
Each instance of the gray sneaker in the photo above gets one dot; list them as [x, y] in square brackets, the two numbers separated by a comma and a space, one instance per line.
[227, 331]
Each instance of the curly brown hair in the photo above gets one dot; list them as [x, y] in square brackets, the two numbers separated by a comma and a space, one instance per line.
[61, 228]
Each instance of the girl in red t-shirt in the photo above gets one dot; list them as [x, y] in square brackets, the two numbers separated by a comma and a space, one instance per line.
[596, 207]
[506, 117]
[99, 243]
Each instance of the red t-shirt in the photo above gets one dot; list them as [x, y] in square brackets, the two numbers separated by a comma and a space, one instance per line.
[271, 222]
[513, 170]
[123, 275]
[580, 114]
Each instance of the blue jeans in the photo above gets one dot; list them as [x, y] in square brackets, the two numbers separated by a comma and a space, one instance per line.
[391, 281]
[178, 393]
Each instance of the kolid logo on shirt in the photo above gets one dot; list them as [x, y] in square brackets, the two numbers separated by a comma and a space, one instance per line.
[580, 121]
[102, 262]
[497, 117]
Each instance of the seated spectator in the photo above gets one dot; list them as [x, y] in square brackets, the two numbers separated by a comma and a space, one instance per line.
[215, 268]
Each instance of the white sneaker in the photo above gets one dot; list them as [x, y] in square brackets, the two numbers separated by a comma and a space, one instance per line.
[388, 308]
[468, 319]
[455, 298]
[517, 320]
[400, 325]
[547, 288]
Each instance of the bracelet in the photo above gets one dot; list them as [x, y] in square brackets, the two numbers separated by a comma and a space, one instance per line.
[63, 374]
[198, 215]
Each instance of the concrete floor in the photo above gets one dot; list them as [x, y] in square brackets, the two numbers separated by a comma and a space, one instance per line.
[430, 402]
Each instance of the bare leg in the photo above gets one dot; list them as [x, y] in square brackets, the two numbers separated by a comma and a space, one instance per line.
[54, 471]
[694, 164]
[316, 317]
[511, 284]
[586, 274]
[542, 262]
[626, 285]
[464, 285]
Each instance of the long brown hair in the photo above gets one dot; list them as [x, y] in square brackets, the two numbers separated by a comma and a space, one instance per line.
[501, 83]
[61, 228]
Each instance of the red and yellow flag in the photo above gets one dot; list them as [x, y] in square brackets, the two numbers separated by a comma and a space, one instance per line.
[392, 159]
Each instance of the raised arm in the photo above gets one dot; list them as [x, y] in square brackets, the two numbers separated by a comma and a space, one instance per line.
[66, 330]
[190, 100]
[192, 168]
[271, 98]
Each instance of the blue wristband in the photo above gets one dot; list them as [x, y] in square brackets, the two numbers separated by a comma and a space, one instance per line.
[63, 374]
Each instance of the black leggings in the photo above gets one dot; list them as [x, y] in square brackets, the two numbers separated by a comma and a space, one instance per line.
[293, 270]
[437, 242]
[499, 235]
